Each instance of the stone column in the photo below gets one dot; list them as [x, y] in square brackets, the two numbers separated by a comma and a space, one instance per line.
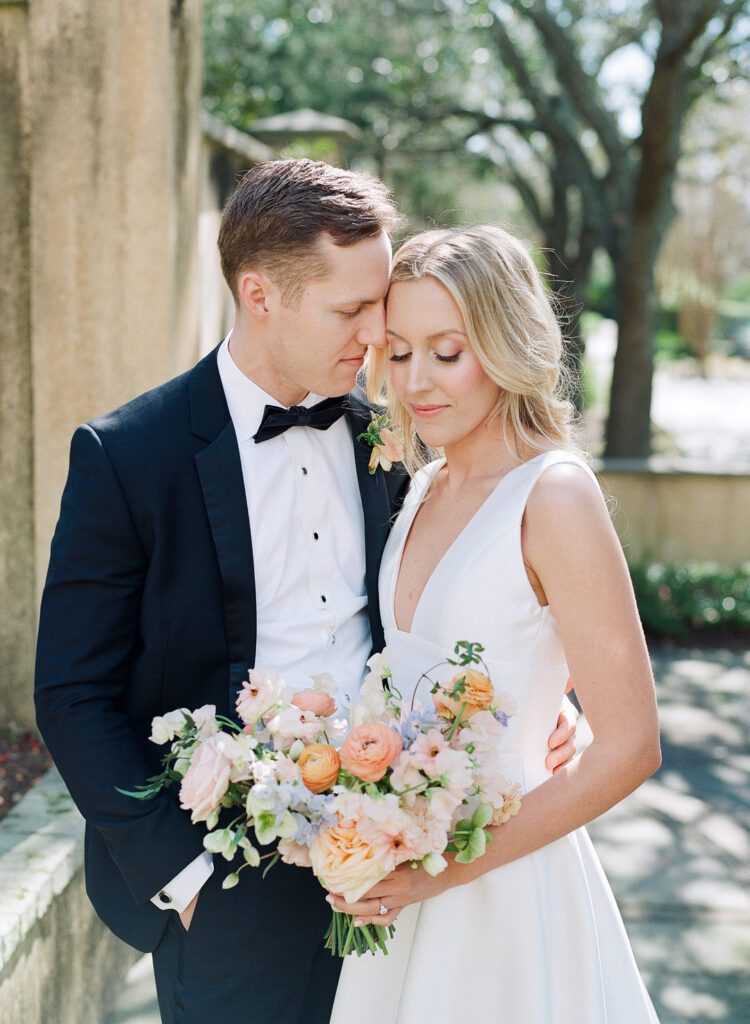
[17, 573]
[99, 165]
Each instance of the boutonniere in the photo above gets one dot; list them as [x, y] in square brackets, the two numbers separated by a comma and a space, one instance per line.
[387, 446]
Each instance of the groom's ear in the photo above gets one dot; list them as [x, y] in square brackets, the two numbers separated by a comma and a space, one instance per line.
[257, 294]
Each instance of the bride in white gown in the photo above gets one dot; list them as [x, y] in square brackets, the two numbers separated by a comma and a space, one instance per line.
[508, 544]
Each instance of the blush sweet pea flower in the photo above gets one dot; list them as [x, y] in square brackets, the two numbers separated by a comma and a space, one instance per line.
[164, 728]
[294, 853]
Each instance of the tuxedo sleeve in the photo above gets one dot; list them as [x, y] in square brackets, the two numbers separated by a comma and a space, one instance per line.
[88, 638]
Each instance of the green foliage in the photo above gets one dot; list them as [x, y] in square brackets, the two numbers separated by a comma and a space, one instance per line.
[693, 598]
[670, 346]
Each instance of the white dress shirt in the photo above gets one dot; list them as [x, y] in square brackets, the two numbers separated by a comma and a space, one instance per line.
[307, 530]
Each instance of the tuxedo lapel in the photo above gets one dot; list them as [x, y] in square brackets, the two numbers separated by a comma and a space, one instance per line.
[220, 473]
[376, 507]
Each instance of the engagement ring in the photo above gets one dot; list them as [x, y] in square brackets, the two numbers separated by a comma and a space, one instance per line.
[383, 910]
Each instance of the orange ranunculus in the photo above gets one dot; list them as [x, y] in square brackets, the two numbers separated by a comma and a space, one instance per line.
[369, 750]
[344, 862]
[478, 695]
[321, 704]
[319, 765]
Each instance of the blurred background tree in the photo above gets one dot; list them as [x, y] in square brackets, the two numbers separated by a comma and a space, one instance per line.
[565, 118]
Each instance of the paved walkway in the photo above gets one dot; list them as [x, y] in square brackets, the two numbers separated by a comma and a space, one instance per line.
[677, 852]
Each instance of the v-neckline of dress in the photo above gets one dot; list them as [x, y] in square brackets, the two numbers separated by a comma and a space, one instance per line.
[434, 469]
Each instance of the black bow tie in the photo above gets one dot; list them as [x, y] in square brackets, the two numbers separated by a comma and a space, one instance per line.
[321, 416]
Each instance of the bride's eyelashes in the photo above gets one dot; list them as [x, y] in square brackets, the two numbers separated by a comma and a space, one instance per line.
[441, 359]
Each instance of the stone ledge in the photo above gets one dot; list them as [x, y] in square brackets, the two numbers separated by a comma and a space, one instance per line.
[57, 960]
[41, 849]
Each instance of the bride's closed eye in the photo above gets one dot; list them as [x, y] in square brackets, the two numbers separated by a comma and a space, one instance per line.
[441, 359]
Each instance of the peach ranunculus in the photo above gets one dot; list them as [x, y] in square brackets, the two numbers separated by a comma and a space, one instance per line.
[344, 862]
[319, 764]
[207, 779]
[478, 695]
[369, 750]
[321, 704]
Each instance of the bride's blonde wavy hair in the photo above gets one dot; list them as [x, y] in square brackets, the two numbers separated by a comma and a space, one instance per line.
[511, 326]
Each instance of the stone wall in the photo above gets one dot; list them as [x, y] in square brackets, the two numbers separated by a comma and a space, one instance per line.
[58, 963]
[674, 511]
[100, 161]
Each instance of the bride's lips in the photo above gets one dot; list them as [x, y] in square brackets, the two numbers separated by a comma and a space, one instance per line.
[356, 361]
[427, 411]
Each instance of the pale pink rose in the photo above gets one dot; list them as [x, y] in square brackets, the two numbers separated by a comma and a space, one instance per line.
[344, 862]
[207, 778]
[369, 750]
[294, 853]
[259, 693]
[321, 704]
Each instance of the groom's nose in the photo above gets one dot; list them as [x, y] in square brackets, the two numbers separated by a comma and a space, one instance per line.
[372, 329]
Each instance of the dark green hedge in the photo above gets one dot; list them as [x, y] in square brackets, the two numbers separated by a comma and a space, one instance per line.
[693, 598]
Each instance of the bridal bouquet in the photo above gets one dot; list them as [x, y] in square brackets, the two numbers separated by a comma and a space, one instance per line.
[350, 794]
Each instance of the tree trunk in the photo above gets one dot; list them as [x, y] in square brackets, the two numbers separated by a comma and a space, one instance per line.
[629, 422]
[663, 112]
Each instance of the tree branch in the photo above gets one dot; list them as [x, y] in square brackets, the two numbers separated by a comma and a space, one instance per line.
[551, 120]
[579, 86]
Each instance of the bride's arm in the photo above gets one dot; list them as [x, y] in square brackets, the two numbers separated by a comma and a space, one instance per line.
[570, 543]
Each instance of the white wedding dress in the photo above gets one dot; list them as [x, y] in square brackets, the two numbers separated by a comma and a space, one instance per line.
[540, 940]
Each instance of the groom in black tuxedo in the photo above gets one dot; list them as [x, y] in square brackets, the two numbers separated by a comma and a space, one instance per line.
[223, 520]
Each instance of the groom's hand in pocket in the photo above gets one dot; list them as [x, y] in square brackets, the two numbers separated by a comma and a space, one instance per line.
[186, 916]
[562, 742]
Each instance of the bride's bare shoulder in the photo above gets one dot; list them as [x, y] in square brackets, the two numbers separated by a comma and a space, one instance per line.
[565, 504]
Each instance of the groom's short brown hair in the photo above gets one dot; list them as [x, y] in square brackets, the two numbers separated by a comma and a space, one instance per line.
[279, 210]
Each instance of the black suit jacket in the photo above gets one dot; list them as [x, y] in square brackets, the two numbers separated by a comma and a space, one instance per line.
[149, 605]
